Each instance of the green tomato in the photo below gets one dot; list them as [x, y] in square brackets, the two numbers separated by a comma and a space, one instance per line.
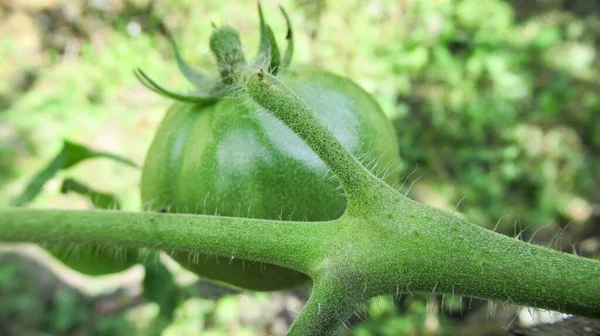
[95, 260]
[234, 159]
[217, 152]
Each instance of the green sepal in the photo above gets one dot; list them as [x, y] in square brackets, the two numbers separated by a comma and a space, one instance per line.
[289, 50]
[100, 200]
[70, 155]
[263, 57]
[188, 98]
[275, 55]
[192, 75]
[269, 56]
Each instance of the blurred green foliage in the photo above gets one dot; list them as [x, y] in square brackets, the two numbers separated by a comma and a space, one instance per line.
[496, 104]
[503, 114]
[32, 300]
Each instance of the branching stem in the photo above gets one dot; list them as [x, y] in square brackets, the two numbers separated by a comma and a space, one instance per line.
[330, 304]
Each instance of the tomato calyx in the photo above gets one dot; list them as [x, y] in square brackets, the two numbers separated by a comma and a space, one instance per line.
[226, 46]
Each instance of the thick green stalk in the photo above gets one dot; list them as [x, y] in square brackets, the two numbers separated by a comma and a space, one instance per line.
[278, 99]
[330, 304]
[407, 246]
[393, 244]
[284, 243]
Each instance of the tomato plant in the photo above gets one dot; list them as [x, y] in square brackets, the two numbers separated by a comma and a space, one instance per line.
[374, 241]
[229, 157]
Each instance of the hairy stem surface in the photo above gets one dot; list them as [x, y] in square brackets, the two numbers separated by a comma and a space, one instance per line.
[289, 244]
[405, 245]
[330, 304]
[278, 99]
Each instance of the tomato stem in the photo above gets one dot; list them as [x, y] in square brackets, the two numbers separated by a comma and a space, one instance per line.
[282, 243]
[330, 303]
[278, 99]
[451, 255]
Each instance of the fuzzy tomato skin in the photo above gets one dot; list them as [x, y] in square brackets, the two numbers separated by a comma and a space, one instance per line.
[234, 159]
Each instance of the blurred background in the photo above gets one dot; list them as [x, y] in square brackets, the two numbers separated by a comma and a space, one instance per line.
[495, 103]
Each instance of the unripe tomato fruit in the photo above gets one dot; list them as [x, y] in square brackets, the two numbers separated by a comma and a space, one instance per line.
[95, 260]
[231, 158]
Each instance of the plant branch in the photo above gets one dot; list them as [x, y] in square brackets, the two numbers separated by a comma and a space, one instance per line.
[410, 246]
[329, 305]
[278, 99]
[405, 245]
[284, 243]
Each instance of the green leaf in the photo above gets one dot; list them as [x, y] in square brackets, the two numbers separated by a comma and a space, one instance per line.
[159, 285]
[100, 200]
[70, 155]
